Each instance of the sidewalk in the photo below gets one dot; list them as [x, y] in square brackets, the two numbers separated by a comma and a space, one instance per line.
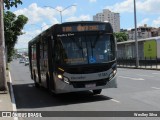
[153, 67]
[5, 100]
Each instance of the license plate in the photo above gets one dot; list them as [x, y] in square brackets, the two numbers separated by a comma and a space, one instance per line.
[90, 85]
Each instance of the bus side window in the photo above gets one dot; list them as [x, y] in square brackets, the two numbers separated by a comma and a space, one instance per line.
[45, 55]
[41, 51]
[57, 53]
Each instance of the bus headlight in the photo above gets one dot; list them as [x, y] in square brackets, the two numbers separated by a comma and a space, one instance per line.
[60, 76]
[66, 80]
[112, 74]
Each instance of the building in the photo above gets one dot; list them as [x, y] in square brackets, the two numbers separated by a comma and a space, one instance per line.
[155, 32]
[148, 48]
[142, 32]
[107, 15]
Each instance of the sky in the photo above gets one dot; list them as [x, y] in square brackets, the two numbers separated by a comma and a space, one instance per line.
[44, 13]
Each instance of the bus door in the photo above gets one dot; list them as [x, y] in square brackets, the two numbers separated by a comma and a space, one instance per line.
[51, 63]
[38, 62]
[43, 62]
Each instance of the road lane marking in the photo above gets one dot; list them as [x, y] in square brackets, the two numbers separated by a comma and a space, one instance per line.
[156, 73]
[131, 78]
[145, 75]
[12, 96]
[30, 85]
[115, 101]
[156, 88]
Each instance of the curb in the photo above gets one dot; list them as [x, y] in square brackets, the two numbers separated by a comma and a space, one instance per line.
[7, 100]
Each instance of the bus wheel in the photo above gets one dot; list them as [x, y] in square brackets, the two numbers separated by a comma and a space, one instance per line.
[35, 83]
[47, 82]
[97, 91]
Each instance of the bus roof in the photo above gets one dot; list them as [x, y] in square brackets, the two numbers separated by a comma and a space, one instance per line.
[84, 22]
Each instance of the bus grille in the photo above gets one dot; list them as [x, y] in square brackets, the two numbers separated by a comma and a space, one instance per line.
[81, 84]
[88, 69]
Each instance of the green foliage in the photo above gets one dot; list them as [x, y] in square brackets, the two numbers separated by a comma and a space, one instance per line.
[11, 3]
[121, 36]
[12, 29]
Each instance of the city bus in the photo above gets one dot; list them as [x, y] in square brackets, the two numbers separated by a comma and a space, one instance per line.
[74, 56]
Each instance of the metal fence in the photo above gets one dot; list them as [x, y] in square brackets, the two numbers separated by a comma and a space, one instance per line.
[146, 63]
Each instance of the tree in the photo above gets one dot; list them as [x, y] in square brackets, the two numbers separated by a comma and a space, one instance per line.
[12, 29]
[8, 4]
[121, 36]
[11, 3]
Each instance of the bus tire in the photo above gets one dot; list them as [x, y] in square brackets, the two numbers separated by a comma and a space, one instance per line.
[35, 83]
[97, 91]
[47, 82]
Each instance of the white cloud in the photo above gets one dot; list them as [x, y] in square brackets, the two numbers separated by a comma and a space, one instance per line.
[80, 18]
[144, 6]
[36, 14]
[92, 0]
[25, 38]
[142, 22]
[44, 26]
[39, 14]
[148, 6]
[156, 23]
[125, 6]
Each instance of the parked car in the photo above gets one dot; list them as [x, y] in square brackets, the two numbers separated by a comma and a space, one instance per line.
[26, 62]
[21, 60]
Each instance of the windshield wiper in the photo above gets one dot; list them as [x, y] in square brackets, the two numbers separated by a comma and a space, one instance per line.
[97, 38]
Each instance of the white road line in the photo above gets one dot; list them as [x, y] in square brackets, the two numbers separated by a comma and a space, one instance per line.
[30, 85]
[131, 78]
[115, 101]
[156, 73]
[12, 96]
[145, 75]
[156, 88]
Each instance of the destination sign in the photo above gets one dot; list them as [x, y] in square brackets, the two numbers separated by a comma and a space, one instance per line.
[80, 28]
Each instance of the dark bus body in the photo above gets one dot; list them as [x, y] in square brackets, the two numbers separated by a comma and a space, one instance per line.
[74, 56]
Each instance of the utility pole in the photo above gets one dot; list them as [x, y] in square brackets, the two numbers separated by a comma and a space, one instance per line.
[3, 84]
[136, 42]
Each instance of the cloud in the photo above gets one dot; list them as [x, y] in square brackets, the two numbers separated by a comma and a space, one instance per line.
[143, 6]
[148, 6]
[124, 6]
[92, 0]
[25, 38]
[156, 23]
[38, 14]
[80, 18]
[142, 22]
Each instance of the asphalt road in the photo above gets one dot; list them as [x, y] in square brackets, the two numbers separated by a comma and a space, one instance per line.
[138, 90]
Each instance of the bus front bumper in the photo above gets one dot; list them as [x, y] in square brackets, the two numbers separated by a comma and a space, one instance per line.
[62, 87]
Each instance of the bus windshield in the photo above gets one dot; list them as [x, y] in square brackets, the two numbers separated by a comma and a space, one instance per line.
[86, 49]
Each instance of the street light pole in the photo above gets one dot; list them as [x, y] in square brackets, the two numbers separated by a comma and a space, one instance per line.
[60, 11]
[61, 15]
[3, 84]
[136, 42]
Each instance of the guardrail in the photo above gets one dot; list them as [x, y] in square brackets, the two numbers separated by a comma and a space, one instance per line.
[143, 63]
